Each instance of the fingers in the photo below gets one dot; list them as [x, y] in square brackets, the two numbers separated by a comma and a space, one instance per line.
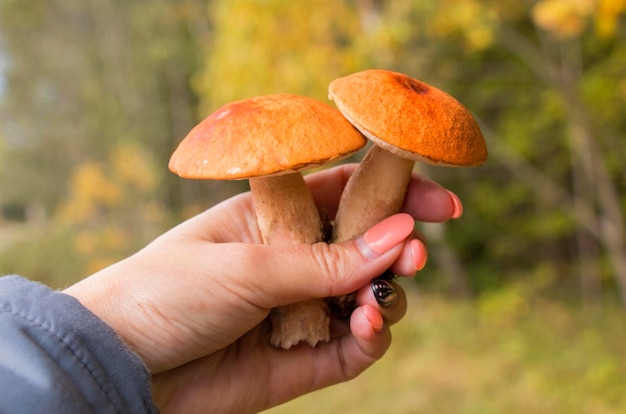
[412, 258]
[271, 276]
[234, 219]
[369, 341]
[387, 297]
[347, 356]
[326, 186]
[425, 200]
[303, 369]
[342, 358]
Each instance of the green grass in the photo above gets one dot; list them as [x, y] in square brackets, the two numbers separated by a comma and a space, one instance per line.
[508, 352]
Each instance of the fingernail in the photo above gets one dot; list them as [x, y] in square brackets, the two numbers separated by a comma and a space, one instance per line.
[458, 206]
[384, 293]
[373, 317]
[419, 258]
[385, 235]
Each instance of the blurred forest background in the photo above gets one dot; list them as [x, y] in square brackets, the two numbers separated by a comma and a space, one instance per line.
[521, 306]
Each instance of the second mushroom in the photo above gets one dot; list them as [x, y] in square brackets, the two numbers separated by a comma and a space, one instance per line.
[407, 120]
[268, 140]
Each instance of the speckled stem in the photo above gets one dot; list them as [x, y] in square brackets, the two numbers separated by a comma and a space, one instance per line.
[286, 214]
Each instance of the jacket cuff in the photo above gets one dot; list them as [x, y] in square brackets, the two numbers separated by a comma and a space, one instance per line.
[57, 356]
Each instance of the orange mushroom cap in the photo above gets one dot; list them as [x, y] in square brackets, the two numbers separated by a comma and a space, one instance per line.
[410, 118]
[265, 135]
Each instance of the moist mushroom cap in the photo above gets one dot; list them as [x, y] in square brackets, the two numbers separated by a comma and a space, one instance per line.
[266, 135]
[410, 118]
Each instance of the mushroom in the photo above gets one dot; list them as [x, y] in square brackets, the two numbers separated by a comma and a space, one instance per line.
[408, 121]
[268, 140]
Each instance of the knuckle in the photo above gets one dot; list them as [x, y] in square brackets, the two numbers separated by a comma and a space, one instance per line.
[333, 267]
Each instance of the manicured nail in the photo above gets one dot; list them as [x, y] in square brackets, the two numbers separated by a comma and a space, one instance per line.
[384, 293]
[385, 235]
[458, 206]
[373, 317]
[418, 252]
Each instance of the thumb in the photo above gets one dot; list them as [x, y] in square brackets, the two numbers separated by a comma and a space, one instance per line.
[288, 274]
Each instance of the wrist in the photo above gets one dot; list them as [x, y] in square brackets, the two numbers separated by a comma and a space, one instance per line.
[106, 299]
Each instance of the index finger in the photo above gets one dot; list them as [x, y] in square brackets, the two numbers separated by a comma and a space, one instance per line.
[327, 185]
[425, 200]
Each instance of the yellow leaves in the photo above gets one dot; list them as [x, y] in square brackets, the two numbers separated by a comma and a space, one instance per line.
[570, 18]
[131, 166]
[90, 188]
[563, 18]
[96, 186]
[608, 15]
[101, 246]
[90, 243]
[110, 206]
[275, 46]
[472, 19]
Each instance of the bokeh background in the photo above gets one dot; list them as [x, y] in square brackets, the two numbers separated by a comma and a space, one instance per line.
[521, 306]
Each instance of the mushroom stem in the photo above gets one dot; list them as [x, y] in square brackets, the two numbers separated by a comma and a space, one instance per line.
[285, 209]
[375, 191]
[286, 214]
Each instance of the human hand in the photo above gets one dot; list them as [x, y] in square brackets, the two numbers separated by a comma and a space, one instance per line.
[193, 303]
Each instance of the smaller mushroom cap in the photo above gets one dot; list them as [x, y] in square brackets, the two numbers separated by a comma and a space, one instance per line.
[265, 135]
[410, 118]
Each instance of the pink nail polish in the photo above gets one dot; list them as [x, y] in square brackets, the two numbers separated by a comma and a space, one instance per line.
[374, 318]
[386, 234]
[419, 258]
[458, 206]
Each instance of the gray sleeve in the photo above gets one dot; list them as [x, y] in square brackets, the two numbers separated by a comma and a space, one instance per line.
[58, 357]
